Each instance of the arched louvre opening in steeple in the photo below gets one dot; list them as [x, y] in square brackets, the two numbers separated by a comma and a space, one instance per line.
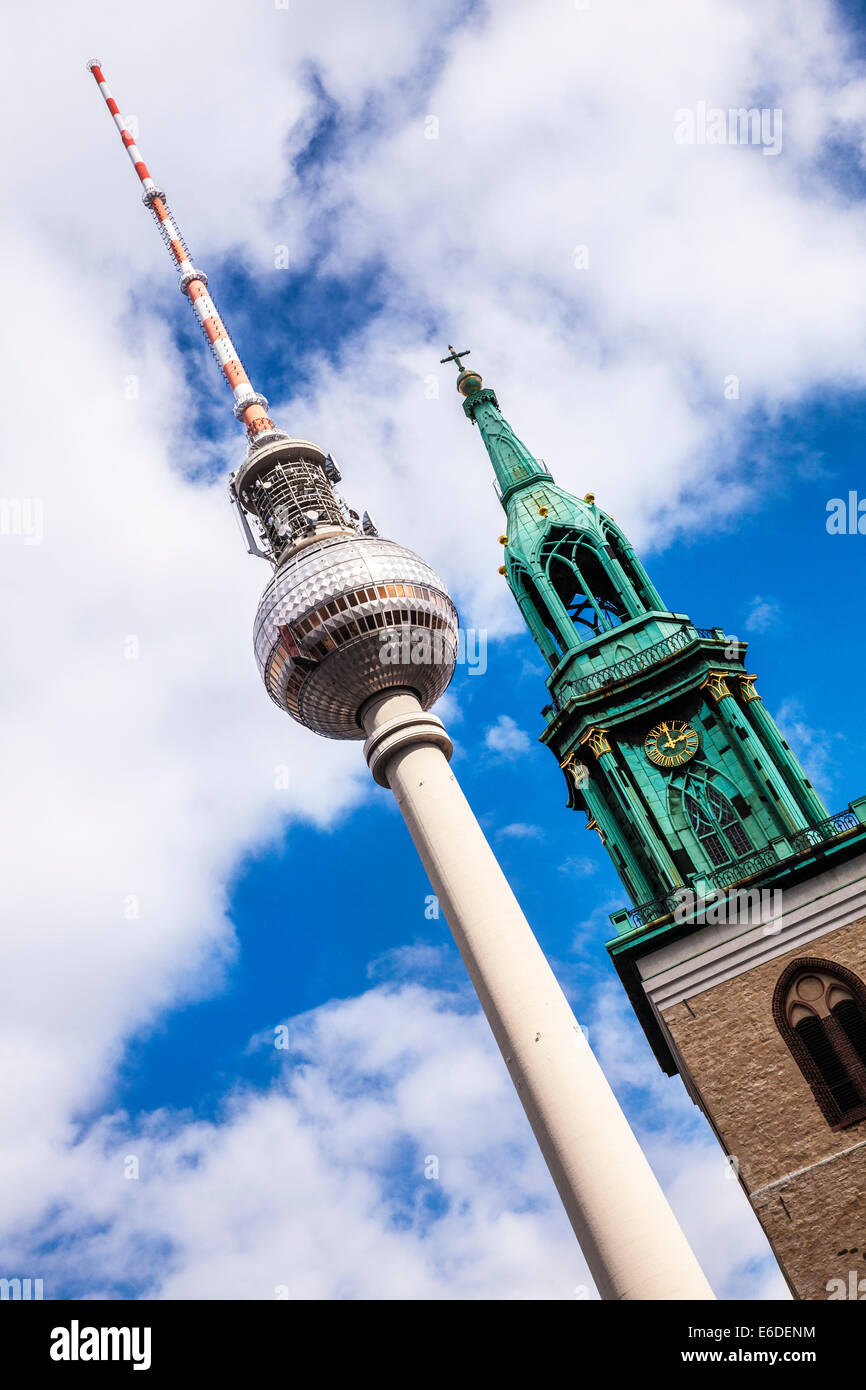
[537, 614]
[820, 1009]
[618, 546]
[581, 579]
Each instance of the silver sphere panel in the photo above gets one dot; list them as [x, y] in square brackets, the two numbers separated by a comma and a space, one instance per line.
[349, 616]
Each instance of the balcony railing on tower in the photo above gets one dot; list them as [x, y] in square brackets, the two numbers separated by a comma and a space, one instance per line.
[748, 866]
[830, 829]
[639, 661]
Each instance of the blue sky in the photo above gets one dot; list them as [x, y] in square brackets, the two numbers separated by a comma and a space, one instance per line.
[264, 1168]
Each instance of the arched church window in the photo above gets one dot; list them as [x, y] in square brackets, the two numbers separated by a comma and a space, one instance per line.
[820, 1010]
[714, 821]
[583, 585]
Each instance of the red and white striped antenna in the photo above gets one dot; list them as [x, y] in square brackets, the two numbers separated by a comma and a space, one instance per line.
[250, 407]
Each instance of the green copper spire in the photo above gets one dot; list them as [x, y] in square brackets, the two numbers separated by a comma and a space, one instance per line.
[513, 464]
[572, 571]
[662, 738]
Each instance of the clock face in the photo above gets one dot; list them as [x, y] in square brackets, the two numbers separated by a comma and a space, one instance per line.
[671, 743]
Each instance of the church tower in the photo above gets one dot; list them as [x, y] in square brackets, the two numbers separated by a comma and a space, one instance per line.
[743, 950]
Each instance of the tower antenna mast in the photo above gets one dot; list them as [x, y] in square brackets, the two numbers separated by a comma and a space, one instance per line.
[250, 407]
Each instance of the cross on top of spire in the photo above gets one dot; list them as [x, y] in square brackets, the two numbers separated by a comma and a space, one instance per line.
[468, 381]
[454, 356]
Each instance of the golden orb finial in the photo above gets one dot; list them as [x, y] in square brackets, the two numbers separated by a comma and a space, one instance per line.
[468, 382]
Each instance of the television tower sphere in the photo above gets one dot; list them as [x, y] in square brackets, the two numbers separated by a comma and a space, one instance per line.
[346, 614]
[347, 617]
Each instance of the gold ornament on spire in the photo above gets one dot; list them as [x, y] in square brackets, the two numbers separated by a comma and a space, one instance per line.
[468, 382]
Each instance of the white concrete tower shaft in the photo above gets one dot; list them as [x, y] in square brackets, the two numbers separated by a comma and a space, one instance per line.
[628, 1233]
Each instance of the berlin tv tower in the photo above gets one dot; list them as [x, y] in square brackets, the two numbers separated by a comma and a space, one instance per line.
[356, 638]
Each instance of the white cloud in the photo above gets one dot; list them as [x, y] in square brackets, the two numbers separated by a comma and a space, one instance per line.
[519, 830]
[693, 253]
[149, 779]
[578, 866]
[318, 1185]
[819, 751]
[762, 614]
[506, 738]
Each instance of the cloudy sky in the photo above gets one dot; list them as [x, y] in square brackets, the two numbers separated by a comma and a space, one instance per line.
[233, 1038]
